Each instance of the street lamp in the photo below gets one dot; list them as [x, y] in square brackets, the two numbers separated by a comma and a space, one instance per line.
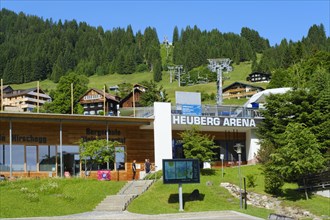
[238, 149]
[222, 157]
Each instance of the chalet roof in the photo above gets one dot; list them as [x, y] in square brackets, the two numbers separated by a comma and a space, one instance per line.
[21, 92]
[4, 87]
[242, 85]
[136, 90]
[99, 91]
[139, 85]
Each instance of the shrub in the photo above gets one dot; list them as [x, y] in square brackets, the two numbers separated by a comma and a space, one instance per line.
[141, 68]
[273, 183]
[251, 180]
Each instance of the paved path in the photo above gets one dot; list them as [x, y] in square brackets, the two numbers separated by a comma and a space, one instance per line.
[125, 215]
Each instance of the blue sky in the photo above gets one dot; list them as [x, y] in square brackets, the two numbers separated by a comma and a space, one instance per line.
[273, 20]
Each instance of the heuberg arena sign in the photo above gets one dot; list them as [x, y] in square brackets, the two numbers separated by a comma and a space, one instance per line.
[212, 121]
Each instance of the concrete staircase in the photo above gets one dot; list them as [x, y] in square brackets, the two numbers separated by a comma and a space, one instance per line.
[119, 202]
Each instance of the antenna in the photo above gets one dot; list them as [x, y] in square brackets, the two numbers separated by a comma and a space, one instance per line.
[217, 65]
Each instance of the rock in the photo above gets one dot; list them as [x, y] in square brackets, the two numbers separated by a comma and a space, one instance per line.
[209, 183]
[273, 203]
[225, 185]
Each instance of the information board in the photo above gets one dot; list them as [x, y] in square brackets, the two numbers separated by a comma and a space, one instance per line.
[181, 171]
[195, 110]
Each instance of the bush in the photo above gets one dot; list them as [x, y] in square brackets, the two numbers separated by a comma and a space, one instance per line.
[141, 68]
[251, 181]
[273, 183]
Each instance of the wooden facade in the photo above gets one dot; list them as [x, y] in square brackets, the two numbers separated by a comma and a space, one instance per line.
[38, 130]
[95, 101]
[258, 77]
[133, 99]
[239, 90]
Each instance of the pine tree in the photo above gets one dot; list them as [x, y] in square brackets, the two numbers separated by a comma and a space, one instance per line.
[157, 71]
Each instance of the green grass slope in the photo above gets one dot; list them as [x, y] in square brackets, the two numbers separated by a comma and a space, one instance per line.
[53, 197]
[239, 73]
[161, 198]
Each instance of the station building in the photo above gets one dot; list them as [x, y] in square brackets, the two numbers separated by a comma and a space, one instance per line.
[47, 145]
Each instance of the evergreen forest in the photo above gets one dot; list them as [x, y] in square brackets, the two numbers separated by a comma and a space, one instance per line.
[32, 49]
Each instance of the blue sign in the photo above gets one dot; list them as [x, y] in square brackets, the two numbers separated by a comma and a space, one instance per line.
[194, 110]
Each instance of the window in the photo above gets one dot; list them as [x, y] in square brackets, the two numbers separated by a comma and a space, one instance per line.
[4, 158]
[47, 158]
[17, 157]
[120, 158]
[31, 158]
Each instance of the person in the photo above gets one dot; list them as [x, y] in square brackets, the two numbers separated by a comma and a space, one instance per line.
[134, 169]
[147, 166]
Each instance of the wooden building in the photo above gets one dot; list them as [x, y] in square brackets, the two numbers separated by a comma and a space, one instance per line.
[39, 141]
[94, 100]
[44, 145]
[133, 98]
[239, 90]
[258, 77]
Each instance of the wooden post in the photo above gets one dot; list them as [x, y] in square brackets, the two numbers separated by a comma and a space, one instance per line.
[104, 100]
[1, 95]
[38, 97]
[71, 98]
[306, 193]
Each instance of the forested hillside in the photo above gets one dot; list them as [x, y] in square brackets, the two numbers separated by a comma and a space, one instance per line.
[35, 49]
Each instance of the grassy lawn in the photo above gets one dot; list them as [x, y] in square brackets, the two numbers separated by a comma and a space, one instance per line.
[56, 197]
[162, 198]
[53, 197]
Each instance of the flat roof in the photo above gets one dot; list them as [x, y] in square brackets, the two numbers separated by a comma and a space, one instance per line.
[24, 116]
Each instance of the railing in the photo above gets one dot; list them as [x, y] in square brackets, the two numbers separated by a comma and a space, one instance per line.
[206, 110]
[225, 111]
[139, 112]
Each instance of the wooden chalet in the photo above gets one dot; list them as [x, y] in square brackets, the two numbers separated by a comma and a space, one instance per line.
[93, 102]
[239, 90]
[258, 77]
[127, 101]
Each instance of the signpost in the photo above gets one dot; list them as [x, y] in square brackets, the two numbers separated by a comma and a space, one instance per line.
[179, 171]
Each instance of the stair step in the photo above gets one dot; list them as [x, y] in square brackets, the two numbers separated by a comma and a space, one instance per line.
[120, 201]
